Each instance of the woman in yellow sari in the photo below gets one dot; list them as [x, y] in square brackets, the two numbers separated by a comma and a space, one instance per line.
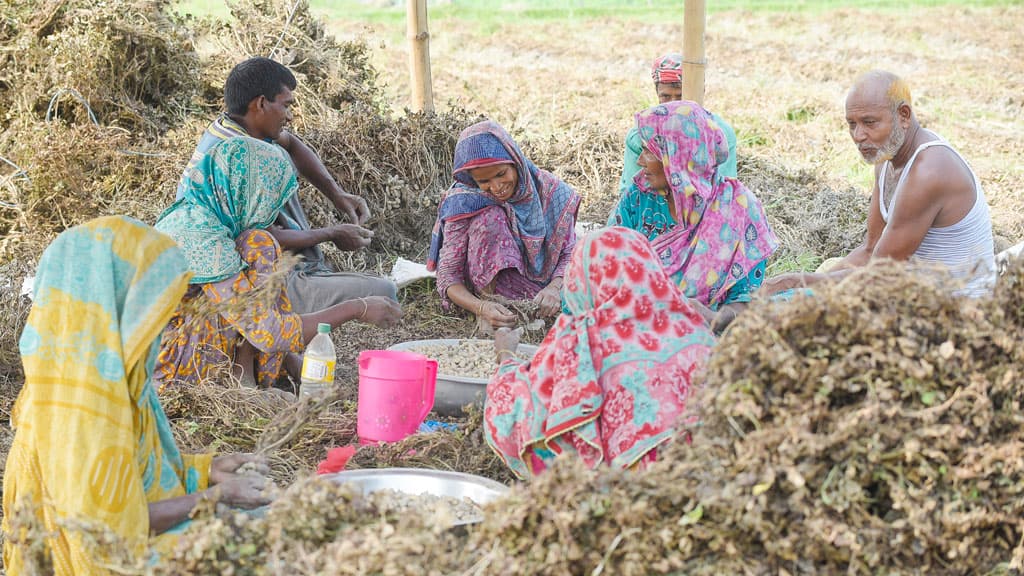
[92, 444]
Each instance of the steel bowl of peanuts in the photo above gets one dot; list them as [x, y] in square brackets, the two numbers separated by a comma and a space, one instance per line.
[464, 366]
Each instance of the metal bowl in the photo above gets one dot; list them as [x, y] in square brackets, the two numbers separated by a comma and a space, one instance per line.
[454, 392]
[423, 481]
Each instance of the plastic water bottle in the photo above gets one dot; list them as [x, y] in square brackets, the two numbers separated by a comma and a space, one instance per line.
[318, 363]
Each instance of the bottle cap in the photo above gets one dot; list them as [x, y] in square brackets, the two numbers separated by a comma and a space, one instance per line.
[323, 328]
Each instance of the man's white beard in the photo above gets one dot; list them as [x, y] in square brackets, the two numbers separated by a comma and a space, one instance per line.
[892, 146]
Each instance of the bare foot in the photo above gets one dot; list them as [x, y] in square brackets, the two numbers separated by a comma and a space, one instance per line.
[245, 363]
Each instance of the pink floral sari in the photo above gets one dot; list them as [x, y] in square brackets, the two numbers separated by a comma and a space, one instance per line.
[612, 378]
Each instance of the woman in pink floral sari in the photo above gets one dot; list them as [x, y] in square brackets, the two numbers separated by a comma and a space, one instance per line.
[613, 376]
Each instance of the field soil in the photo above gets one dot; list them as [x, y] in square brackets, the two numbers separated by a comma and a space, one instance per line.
[779, 78]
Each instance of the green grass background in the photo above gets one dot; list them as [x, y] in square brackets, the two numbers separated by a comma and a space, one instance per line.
[495, 11]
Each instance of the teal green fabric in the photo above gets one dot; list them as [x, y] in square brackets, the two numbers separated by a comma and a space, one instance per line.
[634, 146]
[649, 214]
[241, 184]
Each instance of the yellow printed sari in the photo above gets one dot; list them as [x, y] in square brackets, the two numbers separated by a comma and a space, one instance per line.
[91, 440]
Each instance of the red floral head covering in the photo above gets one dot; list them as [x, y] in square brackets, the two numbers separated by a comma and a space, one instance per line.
[668, 69]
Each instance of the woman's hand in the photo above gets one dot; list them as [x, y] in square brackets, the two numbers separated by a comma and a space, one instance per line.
[230, 483]
[225, 468]
[549, 300]
[725, 316]
[350, 237]
[245, 492]
[506, 342]
[496, 314]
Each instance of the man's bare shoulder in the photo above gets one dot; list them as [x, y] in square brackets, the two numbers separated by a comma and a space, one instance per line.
[284, 140]
[938, 173]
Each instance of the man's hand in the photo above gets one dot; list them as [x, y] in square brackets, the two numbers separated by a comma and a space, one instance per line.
[352, 206]
[224, 468]
[549, 300]
[381, 311]
[788, 281]
[350, 237]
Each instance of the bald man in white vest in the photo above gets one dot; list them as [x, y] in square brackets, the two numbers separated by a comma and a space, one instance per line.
[926, 205]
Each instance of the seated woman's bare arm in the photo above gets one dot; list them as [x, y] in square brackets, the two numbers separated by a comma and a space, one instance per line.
[346, 237]
[295, 240]
[239, 491]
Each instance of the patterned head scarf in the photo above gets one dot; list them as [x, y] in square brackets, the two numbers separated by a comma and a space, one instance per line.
[542, 210]
[722, 232]
[613, 375]
[241, 184]
[92, 442]
[479, 151]
[668, 69]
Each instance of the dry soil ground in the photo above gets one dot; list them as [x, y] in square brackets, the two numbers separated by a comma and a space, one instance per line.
[779, 78]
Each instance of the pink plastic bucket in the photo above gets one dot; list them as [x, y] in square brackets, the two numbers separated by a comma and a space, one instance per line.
[396, 391]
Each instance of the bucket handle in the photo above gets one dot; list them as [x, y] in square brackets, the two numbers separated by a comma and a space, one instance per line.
[429, 386]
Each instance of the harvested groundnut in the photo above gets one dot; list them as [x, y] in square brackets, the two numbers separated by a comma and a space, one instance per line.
[445, 509]
[467, 358]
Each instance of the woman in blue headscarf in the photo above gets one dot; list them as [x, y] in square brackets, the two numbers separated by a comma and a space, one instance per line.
[505, 227]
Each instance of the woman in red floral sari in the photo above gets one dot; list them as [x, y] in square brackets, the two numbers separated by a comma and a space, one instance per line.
[611, 380]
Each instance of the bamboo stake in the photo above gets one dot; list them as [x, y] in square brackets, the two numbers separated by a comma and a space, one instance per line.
[694, 62]
[419, 56]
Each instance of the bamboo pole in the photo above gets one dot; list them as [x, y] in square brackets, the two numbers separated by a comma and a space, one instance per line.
[419, 56]
[694, 62]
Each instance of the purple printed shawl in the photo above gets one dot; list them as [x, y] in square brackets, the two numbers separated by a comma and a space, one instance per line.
[542, 211]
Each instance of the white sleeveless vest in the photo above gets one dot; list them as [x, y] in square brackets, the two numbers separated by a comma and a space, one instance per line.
[966, 247]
